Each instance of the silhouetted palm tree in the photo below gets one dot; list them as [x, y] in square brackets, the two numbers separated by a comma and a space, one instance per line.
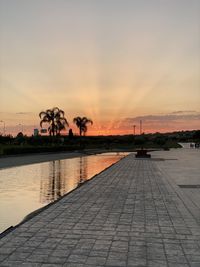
[55, 117]
[81, 123]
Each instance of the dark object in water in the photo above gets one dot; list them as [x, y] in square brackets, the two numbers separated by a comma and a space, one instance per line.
[142, 153]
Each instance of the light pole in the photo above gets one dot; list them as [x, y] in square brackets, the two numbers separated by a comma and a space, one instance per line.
[134, 126]
[140, 127]
[4, 128]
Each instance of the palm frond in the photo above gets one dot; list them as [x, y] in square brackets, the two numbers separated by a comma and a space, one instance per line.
[55, 118]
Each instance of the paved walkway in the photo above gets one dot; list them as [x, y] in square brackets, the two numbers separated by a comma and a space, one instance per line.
[183, 167]
[132, 214]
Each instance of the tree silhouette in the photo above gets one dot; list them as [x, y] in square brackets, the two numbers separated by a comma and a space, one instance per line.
[55, 117]
[81, 124]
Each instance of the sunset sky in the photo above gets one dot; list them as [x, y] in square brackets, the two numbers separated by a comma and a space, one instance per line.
[114, 61]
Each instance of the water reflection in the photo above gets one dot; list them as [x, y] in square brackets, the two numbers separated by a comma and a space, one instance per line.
[26, 188]
[83, 170]
[50, 188]
[59, 178]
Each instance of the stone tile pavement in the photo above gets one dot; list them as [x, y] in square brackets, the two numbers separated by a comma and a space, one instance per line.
[132, 214]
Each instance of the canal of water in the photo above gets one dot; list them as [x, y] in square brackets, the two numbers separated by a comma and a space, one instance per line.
[27, 188]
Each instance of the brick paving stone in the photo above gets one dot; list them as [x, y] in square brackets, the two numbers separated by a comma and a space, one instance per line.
[132, 214]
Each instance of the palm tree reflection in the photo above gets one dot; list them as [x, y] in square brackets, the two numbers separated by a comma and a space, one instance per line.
[61, 178]
[83, 171]
[51, 186]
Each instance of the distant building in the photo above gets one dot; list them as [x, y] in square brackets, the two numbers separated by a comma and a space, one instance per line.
[43, 131]
[35, 132]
